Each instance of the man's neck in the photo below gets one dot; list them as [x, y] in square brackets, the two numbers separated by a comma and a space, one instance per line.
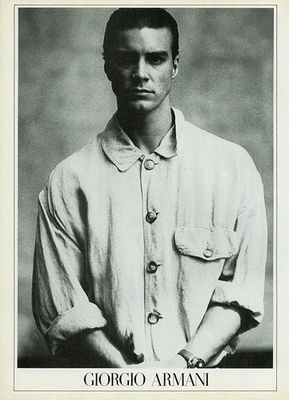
[146, 130]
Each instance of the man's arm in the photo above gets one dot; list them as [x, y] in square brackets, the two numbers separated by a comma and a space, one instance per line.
[95, 348]
[219, 325]
[72, 325]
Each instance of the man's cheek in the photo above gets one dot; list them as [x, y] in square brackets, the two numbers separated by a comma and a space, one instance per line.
[164, 85]
[119, 83]
[166, 79]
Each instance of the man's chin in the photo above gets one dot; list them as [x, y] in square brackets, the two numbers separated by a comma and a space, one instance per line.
[139, 107]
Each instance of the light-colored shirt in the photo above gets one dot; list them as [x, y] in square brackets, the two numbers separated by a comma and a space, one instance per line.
[143, 244]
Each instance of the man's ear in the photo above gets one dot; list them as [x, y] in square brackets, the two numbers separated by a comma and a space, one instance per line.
[175, 66]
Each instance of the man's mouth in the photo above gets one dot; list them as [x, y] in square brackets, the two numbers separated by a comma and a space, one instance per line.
[141, 91]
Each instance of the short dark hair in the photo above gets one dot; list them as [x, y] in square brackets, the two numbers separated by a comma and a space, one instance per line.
[128, 18]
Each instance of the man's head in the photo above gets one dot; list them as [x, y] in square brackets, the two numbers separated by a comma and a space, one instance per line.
[128, 18]
[140, 50]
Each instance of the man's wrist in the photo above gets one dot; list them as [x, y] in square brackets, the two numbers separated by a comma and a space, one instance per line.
[192, 361]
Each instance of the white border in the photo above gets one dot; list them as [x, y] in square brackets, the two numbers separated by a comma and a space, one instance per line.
[62, 379]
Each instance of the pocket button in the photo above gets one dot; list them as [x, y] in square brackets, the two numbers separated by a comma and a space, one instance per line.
[208, 253]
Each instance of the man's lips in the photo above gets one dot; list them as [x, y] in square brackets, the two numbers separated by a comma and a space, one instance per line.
[141, 91]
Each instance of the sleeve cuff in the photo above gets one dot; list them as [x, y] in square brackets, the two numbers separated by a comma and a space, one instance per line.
[229, 349]
[247, 302]
[71, 322]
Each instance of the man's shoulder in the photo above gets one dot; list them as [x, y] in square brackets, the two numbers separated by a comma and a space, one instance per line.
[213, 146]
[76, 166]
[80, 159]
[201, 137]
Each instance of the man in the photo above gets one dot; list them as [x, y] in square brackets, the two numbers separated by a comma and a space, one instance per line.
[151, 241]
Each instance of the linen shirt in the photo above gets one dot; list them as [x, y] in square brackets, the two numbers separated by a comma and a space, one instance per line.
[144, 244]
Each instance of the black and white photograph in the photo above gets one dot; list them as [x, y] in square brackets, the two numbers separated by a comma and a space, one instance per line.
[145, 195]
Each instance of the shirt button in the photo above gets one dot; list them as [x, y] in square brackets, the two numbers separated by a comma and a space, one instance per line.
[151, 217]
[208, 253]
[153, 267]
[153, 318]
[149, 164]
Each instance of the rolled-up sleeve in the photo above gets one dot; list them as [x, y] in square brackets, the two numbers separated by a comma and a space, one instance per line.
[242, 282]
[60, 304]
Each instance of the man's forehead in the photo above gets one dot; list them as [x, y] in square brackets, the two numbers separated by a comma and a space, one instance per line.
[144, 38]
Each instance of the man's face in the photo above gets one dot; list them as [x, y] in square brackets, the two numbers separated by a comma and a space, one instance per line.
[141, 68]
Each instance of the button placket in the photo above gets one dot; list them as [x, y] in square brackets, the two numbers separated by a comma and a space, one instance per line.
[152, 279]
[148, 165]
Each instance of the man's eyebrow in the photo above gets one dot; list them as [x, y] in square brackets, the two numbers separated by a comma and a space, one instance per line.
[155, 52]
[158, 53]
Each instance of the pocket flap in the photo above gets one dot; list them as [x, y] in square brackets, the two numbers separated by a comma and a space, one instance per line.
[206, 243]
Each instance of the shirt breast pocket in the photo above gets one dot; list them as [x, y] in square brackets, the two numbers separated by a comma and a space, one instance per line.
[206, 256]
[207, 244]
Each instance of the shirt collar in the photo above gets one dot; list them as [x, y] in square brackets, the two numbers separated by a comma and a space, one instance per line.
[122, 152]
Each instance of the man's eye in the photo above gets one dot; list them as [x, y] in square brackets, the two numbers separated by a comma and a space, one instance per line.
[125, 59]
[156, 59]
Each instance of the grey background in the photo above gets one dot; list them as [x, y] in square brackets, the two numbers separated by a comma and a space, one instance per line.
[224, 86]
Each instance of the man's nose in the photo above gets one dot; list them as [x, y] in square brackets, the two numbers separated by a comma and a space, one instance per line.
[141, 71]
